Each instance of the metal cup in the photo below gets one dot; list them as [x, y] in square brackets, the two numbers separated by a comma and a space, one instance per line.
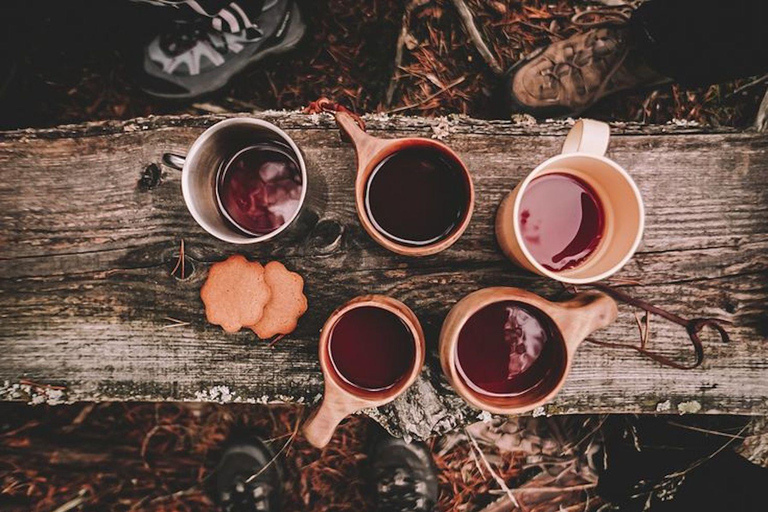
[212, 150]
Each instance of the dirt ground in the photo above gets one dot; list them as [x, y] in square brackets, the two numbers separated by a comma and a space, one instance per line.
[162, 457]
[78, 60]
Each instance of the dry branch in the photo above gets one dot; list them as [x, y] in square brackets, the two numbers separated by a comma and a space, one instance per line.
[761, 123]
[468, 20]
[414, 4]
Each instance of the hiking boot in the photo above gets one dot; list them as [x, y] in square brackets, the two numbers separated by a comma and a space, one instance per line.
[248, 479]
[569, 76]
[405, 476]
[192, 58]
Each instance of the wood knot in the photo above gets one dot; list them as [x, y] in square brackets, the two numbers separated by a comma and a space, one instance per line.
[150, 177]
[326, 236]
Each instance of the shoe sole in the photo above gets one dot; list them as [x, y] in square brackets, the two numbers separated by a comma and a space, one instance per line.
[293, 36]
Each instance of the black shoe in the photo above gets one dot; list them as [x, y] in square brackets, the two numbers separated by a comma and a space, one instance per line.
[242, 482]
[192, 58]
[405, 476]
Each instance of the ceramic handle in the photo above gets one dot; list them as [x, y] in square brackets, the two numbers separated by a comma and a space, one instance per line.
[584, 314]
[587, 136]
[366, 145]
[319, 428]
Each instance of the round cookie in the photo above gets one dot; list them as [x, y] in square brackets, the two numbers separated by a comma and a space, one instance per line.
[286, 304]
[235, 293]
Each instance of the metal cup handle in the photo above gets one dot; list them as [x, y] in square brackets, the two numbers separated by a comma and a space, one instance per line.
[174, 160]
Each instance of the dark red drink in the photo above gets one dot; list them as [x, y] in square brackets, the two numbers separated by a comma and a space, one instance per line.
[507, 348]
[371, 348]
[561, 220]
[259, 189]
[417, 196]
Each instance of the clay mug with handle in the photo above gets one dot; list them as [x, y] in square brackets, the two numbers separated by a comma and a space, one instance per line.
[442, 226]
[371, 350]
[548, 333]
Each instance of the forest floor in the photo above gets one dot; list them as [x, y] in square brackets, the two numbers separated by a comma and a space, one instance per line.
[83, 64]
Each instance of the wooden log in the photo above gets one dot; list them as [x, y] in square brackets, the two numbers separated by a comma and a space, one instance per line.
[88, 242]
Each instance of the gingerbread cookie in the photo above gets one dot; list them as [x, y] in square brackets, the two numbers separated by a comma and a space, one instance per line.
[235, 293]
[286, 304]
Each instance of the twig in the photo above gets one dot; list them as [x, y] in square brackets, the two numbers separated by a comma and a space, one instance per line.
[749, 85]
[244, 104]
[145, 442]
[495, 475]
[414, 4]
[705, 430]
[623, 282]
[211, 108]
[569, 448]
[438, 93]
[73, 503]
[644, 331]
[274, 341]
[274, 458]
[710, 456]
[761, 122]
[176, 323]
[468, 20]
[26, 426]
[554, 488]
[173, 495]
[477, 463]
[180, 261]
[33, 384]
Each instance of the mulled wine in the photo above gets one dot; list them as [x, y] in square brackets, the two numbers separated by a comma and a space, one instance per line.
[417, 196]
[561, 220]
[371, 348]
[259, 188]
[507, 348]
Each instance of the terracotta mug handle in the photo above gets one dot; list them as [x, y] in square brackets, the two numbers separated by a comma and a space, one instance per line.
[322, 423]
[587, 136]
[582, 315]
[366, 146]
[340, 400]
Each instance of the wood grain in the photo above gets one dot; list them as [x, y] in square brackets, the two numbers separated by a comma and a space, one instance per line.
[87, 246]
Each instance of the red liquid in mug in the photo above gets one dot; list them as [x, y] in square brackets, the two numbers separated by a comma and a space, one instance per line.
[371, 348]
[259, 189]
[417, 196]
[507, 348]
[561, 220]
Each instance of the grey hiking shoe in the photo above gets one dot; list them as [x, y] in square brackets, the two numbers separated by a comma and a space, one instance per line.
[248, 479]
[405, 476]
[570, 76]
[192, 58]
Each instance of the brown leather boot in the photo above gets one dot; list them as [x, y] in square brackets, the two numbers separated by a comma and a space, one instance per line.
[569, 76]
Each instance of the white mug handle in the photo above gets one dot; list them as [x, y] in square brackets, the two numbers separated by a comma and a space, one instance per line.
[588, 136]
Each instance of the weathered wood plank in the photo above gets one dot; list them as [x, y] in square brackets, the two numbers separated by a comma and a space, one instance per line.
[86, 253]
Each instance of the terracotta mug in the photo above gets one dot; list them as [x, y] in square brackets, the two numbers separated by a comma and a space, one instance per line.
[567, 324]
[371, 152]
[582, 157]
[343, 397]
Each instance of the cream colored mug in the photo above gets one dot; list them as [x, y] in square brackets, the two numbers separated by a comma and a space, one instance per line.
[583, 156]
